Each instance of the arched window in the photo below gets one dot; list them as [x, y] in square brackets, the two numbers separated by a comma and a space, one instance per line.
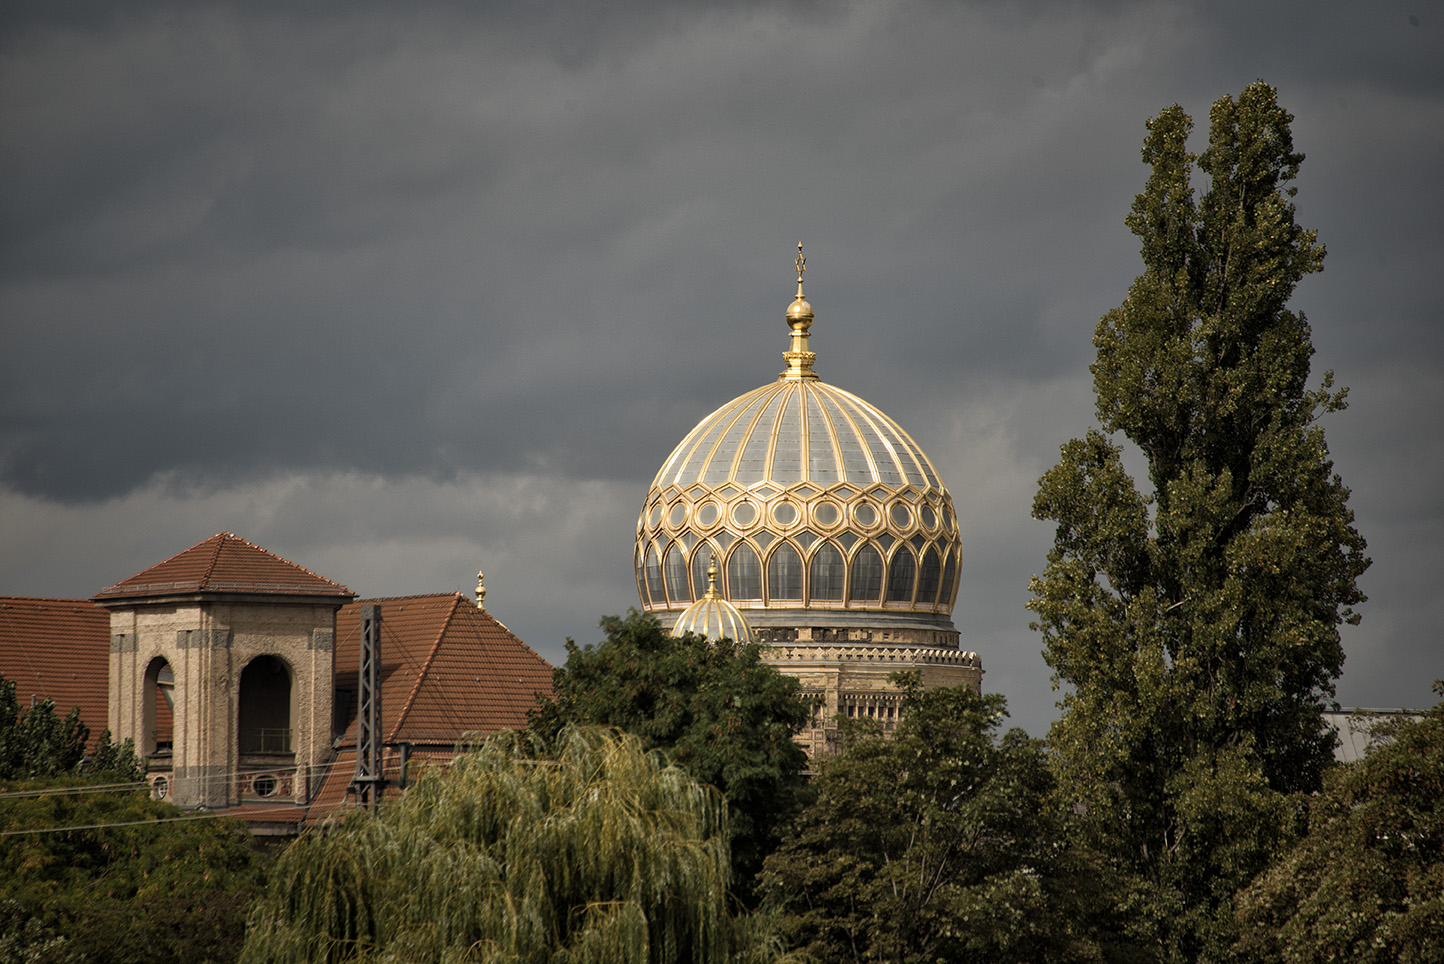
[928, 577]
[866, 583]
[950, 578]
[158, 709]
[784, 573]
[264, 723]
[653, 569]
[744, 574]
[674, 568]
[900, 576]
[825, 575]
[702, 557]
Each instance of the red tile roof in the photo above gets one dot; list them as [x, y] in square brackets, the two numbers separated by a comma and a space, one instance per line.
[224, 563]
[448, 669]
[58, 649]
[335, 796]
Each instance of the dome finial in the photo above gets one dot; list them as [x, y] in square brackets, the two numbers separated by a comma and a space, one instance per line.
[711, 575]
[799, 319]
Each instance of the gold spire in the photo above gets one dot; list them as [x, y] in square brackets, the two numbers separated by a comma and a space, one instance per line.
[711, 576]
[480, 592]
[799, 319]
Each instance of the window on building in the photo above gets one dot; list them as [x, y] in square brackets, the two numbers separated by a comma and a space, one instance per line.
[866, 583]
[784, 573]
[744, 574]
[675, 569]
[827, 572]
[901, 575]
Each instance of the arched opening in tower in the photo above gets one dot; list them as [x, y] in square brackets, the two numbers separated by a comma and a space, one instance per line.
[157, 734]
[265, 706]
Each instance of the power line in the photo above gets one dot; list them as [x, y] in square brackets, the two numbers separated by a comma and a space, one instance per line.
[209, 815]
[87, 788]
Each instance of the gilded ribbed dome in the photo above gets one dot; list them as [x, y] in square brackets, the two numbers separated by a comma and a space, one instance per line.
[714, 617]
[809, 498]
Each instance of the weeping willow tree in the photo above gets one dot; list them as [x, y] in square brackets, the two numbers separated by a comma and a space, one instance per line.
[600, 852]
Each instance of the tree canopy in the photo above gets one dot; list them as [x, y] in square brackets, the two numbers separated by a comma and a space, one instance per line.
[588, 850]
[1194, 628]
[1366, 883]
[938, 843]
[92, 869]
[717, 710]
[38, 743]
[101, 873]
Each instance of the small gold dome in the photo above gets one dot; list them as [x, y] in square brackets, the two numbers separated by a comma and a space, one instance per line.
[713, 617]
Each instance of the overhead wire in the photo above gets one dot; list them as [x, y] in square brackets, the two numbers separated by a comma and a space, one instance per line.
[274, 810]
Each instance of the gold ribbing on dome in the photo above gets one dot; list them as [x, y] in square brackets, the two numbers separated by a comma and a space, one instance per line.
[799, 319]
[713, 617]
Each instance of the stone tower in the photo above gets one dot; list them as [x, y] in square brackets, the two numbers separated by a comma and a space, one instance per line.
[221, 671]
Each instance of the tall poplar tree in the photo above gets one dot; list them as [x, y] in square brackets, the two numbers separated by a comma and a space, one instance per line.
[1194, 628]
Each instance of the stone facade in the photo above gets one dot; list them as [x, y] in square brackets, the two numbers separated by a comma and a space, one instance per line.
[850, 681]
[250, 681]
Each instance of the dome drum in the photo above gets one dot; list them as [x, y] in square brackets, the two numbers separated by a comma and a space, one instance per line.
[804, 571]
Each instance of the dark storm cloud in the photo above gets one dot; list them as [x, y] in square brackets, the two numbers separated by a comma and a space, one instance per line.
[401, 290]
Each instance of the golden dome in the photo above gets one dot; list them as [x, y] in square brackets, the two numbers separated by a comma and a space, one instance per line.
[809, 497]
[714, 617]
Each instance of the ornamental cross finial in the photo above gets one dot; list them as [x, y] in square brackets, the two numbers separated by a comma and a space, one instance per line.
[801, 263]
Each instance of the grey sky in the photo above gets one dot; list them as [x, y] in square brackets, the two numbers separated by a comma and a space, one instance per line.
[401, 292]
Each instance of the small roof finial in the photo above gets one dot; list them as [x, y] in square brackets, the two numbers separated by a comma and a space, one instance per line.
[711, 574]
[480, 592]
[799, 319]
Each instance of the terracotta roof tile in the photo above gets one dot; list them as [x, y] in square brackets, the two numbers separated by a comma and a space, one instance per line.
[448, 669]
[334, 796]
[224, 563]
[58, 649]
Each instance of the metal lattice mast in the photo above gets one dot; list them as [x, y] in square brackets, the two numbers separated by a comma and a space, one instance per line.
[369, 780]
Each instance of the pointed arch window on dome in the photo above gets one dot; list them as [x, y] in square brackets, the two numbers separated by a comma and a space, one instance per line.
[784, 573]
[744, 574]
[901, 575]
[928, 574]
[826, 573]
[704, 555]
[653, 569]
[674, 570]
[866, 583]
[950, 578]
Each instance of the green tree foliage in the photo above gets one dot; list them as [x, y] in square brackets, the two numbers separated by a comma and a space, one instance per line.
[936, 844]
[38, 744]
[1366, 883]
[597, 853]
[1195, 628]
[92, 874]
[718, 712]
